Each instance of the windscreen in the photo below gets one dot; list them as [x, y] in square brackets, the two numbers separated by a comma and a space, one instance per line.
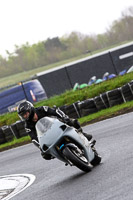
[43, 125]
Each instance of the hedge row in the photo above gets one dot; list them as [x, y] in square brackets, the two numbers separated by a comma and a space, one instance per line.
[76, 110]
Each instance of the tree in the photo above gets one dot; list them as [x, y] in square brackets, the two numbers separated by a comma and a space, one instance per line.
[27, 57]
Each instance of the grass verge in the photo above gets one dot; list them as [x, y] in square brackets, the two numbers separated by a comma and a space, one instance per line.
[107, 113]
[71, 96]
[93, 118]
[15, 143]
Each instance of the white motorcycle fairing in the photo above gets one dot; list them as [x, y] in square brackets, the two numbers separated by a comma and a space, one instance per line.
[54, 136]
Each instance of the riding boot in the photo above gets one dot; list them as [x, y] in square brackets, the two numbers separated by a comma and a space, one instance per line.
[46, 156]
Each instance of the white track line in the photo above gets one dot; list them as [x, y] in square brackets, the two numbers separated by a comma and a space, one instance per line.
[11, 185]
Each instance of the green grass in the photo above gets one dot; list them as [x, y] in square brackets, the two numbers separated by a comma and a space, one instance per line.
[101, 115]
[15, 142]
[109, 112]
[8, 118]
[71, 96]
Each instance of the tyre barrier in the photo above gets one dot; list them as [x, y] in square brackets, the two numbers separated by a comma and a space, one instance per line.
[99, 103]
[87, 107]
[71, 110]
[103, 101]
[76, 110]
[2, 137]
[18, 129]
[104, 98]
[115, 97]
[7, 133]
[15, 130]
[127, 91]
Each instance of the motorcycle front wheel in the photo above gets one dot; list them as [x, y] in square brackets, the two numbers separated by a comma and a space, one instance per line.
[78, 159]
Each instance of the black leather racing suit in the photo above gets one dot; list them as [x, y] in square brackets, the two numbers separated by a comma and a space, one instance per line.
[47, 111]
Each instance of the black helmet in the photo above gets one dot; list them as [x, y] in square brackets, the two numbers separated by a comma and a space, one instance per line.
[24, 107]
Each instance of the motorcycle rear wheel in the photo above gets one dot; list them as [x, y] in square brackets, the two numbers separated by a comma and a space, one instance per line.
[77, 159]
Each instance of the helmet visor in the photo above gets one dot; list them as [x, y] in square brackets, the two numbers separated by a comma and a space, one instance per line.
[24, 115]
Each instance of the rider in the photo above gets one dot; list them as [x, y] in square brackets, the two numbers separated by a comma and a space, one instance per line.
[30, 114]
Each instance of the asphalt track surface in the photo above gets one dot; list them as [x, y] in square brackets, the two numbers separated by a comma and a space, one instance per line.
[111, 180]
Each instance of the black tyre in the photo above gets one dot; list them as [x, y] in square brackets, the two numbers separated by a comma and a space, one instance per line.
[20, 125]
[8, 133]
[63, 108]
[73, 115]
[77, 159]
[115, 102]
[15, 130]
[114, 93]
[85, 112]
[99, 103]
[105, 99]
[22, 133]
[127, 93]
[126, 88]
[128, 98]
[87, 104]
[2, 137]
[72, 110]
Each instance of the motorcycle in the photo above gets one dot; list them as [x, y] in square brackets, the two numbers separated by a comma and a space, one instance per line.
[66, 144]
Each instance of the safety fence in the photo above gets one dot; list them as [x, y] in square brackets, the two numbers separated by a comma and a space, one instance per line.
[76, 110]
